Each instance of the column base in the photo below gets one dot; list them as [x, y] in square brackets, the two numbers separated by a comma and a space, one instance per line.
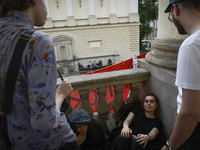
[134, 17]
[71, 21]
[92, 20]
[113, 18]
[165, 53]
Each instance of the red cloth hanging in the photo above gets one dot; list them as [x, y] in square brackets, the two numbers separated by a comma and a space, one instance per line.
[75, 100]
[126, 91]
[93, 98]
[126, 64]
[110, 96]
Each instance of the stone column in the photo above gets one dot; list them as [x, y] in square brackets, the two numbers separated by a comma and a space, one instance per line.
[48, 23]
[113, 18]
[167, 42]
[67, 51]
[133, 11]
[92, 17]
[103, 104]
[58, 50]
[85, 101]
[56, 53]
[119, 100]
[103, 107]
[70, 51]
[70, 15]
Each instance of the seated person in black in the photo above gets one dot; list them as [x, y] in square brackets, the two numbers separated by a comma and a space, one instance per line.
[140, 122]
[90, 135]
[109, 62]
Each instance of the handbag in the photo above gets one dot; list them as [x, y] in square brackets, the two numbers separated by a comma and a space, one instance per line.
[11, 79]
[126, 108]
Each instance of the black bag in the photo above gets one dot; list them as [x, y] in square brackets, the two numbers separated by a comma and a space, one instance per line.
[126, 108]
[11, 78]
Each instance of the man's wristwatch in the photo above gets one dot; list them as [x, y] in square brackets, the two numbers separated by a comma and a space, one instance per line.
[168, 146]
[149, 137]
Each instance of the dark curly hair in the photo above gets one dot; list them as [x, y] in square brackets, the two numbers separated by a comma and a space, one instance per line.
[20, 5]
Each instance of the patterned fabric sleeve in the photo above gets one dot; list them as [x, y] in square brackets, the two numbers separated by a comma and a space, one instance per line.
[41, 80]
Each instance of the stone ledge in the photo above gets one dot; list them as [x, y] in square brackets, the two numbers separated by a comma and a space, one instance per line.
[107, 79]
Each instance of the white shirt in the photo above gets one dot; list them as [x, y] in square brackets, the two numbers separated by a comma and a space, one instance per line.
[188, 66]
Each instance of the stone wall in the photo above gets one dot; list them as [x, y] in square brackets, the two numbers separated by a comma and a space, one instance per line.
[100, 40]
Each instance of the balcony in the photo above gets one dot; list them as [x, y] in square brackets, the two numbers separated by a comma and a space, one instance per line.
[101, 81]
[149, 78]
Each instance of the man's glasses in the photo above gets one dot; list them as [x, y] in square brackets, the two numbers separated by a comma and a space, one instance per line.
[170, 17]
[170, 14]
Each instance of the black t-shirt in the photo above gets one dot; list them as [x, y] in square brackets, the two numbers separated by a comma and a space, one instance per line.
[141, 124]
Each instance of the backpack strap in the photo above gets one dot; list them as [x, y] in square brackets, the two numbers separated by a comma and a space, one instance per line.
[13, 70]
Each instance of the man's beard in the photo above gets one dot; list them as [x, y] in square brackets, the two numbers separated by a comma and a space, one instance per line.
[180, 28]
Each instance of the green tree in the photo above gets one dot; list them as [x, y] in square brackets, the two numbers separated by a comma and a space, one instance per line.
[148, 11]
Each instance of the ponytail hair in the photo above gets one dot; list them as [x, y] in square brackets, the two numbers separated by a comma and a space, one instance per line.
[20, 5]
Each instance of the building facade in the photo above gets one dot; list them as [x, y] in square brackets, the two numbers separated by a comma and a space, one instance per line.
[88, 30]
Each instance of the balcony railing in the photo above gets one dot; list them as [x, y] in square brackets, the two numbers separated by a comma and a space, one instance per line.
[101, 81]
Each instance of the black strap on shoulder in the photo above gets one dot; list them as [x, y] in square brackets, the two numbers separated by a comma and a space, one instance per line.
[13, 70]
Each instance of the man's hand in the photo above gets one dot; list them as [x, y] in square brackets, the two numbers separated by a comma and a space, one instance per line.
[81, 137]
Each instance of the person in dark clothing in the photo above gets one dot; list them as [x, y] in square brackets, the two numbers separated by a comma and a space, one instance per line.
[80, 66]
[109, 62]
[140, 126]
[90, 135]
[100, 63]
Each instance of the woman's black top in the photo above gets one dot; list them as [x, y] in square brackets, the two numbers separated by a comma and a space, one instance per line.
[142, 124]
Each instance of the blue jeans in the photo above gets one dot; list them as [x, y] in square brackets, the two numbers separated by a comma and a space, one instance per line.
[122, 143]
[193, 143]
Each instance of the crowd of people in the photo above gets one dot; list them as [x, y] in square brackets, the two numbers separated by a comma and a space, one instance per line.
[92, 65]
[35, 120]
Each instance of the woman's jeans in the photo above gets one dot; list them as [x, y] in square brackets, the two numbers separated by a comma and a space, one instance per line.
[122, 143]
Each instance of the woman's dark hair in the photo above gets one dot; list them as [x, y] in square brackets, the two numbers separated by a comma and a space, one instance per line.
[20, 5]
[92, 138]
[155, 97]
